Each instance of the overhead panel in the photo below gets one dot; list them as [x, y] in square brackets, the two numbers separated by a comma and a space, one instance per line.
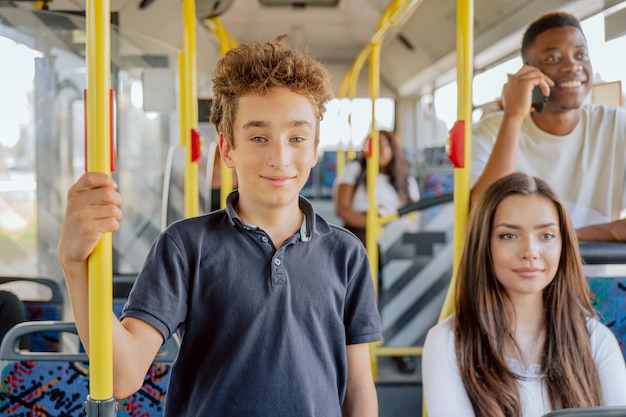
[615, 25]
[213, 8]
[299, 3]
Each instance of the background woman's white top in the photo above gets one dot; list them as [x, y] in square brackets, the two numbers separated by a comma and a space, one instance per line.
[386, 195]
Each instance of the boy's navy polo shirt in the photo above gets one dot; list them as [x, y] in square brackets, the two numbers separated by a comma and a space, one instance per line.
[265, 329]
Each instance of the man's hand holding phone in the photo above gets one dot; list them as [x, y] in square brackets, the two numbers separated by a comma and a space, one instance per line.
[527, 90]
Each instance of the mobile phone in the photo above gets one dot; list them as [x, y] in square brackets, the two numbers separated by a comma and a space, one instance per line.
[538, 99]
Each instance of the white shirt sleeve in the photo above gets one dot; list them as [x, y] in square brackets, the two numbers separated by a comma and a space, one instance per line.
[610, 363]
[444, 392]
[348, 176]
[484, 136]
[350, 173]
[414, 191]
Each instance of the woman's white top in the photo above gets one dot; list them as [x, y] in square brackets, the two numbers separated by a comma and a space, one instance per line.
[386, 194]
[445, 394]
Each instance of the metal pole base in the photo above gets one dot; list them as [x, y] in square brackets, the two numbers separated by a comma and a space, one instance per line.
[101, 408]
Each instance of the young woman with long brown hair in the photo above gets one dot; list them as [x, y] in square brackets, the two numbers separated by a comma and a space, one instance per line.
[524, 339]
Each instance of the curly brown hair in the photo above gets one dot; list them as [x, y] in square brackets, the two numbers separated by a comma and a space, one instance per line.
[259, 67]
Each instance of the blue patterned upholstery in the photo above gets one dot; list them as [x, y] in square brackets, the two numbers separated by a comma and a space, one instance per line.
[57, 384]
[609, 298]
[59, 388]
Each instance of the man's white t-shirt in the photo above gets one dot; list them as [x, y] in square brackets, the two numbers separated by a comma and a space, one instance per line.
[586, 168]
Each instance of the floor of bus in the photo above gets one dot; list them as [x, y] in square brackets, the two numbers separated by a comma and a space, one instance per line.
[399, 395]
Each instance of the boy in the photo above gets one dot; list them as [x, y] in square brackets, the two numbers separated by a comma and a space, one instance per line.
[277, 307]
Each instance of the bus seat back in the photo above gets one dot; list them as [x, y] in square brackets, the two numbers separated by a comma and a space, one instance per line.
[56, 383]
[43, 300]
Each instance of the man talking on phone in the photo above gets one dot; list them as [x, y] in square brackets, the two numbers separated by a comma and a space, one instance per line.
[580, 150]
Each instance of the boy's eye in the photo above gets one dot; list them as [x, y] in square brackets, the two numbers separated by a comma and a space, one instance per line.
[258, 139]
[297, 139]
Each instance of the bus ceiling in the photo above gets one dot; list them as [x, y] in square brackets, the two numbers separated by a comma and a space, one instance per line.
[418, 54]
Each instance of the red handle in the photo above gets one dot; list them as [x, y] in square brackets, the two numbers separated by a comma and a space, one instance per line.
[456, 144]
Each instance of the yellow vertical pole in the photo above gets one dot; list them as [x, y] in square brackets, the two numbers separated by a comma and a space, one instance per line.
[464, 76]
[353, 77]
[192, 198]
[226, 173]
[341, 151]
[373, 226]
[395, 10]
[348, 88]
[100, 267]
[352, 89]
[464, 53]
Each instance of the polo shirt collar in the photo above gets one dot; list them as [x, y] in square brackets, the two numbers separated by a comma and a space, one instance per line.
[311, 225]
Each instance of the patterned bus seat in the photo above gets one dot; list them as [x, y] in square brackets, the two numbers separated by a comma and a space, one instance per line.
[57, 384]
[609, 299]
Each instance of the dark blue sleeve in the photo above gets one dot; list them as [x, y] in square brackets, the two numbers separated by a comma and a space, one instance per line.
[362, 319]
[159, 295]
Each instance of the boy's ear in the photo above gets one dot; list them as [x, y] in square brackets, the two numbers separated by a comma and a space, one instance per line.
[225, 149]
[315, 158]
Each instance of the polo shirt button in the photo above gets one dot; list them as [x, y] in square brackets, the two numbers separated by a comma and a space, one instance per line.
[277, 262]
[265, 239]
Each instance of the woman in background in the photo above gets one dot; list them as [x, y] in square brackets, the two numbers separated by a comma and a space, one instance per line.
[395, 187]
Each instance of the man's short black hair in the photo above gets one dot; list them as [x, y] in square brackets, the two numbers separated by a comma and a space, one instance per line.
[545, 22]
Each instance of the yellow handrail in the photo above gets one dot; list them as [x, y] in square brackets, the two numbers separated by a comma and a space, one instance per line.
[464, 68]
[227, 42]
[393, 14]
[465, 53]
[189, 112]
[100, 264]
[372, 229]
